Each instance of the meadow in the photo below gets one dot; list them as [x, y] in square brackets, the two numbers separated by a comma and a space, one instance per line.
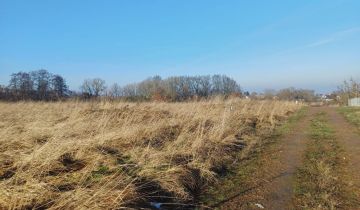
[113, 155]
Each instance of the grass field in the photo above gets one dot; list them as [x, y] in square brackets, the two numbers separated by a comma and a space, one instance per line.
[352, 114]
[76, 155]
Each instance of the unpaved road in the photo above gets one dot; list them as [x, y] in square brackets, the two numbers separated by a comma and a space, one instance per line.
[273, 188]
[349, 137]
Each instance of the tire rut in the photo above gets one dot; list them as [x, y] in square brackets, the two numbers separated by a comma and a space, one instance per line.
[348, 136]
[275, 190]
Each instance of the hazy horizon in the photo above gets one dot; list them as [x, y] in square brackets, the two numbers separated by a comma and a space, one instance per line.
[262, 45]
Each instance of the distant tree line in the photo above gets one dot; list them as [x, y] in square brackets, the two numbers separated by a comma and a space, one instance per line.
[42, 85]
[35, 85]
[179, 88]
[293, 94]
[288, 94]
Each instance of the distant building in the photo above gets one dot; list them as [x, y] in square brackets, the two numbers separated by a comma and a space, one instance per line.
[326, 97]
[354, 102]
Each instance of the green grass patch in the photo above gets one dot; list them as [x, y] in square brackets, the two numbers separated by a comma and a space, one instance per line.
[97, 175]
[291, 121]
[321, 182]
[352, 115]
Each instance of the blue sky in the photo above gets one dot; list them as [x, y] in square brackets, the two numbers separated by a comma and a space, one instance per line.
[261, 44]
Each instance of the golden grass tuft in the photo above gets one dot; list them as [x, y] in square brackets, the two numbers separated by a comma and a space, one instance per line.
[75, 155]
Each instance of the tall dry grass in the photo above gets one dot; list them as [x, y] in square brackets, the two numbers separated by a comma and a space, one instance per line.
[106, 155]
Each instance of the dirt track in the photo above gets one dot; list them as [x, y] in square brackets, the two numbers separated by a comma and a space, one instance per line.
[349, 137]
[273, 188]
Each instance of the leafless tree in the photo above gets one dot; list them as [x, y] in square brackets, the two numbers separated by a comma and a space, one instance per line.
[21, 85]
[36, 85]
[93, 87]
[181, 88]
[349, 89]
[98, 86]
[41, 79]
[115, 91]
[296, 94]
[59, 86]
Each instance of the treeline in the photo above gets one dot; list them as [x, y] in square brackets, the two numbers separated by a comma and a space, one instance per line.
[35, 85]
[291, 94]
[44, 86]
[178, 88]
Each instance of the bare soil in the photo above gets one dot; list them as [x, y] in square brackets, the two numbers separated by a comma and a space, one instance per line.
[349, 137]
[271, 187]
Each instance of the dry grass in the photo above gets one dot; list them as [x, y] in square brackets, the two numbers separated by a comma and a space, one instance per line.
[104, 155]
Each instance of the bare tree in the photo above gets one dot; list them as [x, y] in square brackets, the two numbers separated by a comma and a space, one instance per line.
[5, 93]
[296, 94]
[93, 87]
[21, 85]
[115, 91]
[349, 89]
[181, 88]
[41, 80]
[130, 90]
[86, 87]
[98, 86]
[59, 86]
[36, 85]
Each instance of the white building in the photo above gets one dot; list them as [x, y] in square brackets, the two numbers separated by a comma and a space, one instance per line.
[354, 102]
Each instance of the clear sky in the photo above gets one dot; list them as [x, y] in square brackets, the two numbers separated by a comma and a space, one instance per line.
[260, 43]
